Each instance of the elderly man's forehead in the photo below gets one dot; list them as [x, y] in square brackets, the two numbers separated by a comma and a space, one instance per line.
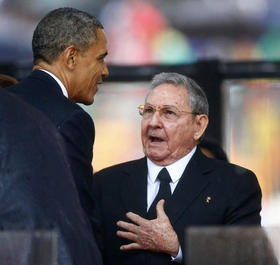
[169, 90]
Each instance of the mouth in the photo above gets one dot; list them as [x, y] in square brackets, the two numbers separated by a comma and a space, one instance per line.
[156, 139]
[99, 82]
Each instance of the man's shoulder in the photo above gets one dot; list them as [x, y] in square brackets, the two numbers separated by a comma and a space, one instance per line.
[229, 172]
[213, 164]
[122, 168]
[231, 167]
[42, 92]
[223, 170]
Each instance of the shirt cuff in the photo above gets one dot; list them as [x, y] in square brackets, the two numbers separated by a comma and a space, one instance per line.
[179, 256]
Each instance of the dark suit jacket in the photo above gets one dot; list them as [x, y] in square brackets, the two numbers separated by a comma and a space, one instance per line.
[76, 127]
[235, 199]
[37, 190]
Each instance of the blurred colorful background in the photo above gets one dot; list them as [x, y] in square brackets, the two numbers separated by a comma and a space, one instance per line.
[251, 131]
[158, 31]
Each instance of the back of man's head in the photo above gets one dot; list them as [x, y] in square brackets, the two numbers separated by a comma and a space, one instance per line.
[61, 28]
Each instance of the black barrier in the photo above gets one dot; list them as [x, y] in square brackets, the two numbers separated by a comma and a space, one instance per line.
[28, 247]
[231, 246]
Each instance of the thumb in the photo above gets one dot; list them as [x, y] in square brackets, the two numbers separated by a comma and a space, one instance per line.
[160, 209]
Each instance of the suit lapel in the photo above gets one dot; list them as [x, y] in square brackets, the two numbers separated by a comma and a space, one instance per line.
[134, 187]
[191, 184]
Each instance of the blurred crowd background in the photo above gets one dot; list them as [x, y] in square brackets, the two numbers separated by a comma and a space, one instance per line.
[161, 31]
[177, 33]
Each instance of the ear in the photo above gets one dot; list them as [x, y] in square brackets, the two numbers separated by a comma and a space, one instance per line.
[70, 57]
[201, 122]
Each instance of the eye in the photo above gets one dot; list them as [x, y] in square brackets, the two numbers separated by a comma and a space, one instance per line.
[168, 113]
[148, 110]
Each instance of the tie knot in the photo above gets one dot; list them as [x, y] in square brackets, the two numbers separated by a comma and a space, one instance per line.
[164, 176]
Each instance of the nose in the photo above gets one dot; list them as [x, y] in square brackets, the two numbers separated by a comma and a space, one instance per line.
[105, 71]
[155, 120]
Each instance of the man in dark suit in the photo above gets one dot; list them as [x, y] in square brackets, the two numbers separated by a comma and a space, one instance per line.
[37, 189]
[69, 47]
[152, 200]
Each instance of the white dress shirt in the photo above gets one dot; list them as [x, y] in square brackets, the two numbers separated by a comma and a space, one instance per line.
[175, 171]
[63, 88]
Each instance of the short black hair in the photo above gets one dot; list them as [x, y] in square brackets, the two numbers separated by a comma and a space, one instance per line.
[61, 28]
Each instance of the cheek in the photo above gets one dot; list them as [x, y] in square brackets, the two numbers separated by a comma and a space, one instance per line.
[171, 131]
[94, 73]
[143, 129]
[176, 136]
[186, 139]
[92, 69]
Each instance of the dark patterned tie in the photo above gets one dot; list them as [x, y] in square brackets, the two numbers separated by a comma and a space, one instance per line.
[163, 193]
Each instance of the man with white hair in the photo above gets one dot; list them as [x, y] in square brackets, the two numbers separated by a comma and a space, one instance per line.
[144, 206]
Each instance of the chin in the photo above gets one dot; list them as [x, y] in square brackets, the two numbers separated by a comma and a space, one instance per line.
[155, 157]
[89, 99]
[159, 162]
[86, 101]
[89, 102]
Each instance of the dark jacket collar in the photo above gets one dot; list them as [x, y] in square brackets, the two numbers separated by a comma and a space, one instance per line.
[46, 81]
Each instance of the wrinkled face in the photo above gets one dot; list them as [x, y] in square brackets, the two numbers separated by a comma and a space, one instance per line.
[90, 70]
[166, 141]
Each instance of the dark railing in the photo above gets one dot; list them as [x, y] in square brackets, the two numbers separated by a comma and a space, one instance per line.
[209, 74]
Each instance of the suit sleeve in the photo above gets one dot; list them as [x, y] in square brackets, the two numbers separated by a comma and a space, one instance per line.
[245, 200]
[78, 134]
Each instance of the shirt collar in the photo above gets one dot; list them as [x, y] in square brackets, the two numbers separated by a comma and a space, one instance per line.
[63, 88]
[175, 170]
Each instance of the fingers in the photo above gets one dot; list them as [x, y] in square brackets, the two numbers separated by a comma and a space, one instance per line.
[160, 209]
[155, 235]
[127, 226]
[136, 218]
[127, 235]
[132, 246]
